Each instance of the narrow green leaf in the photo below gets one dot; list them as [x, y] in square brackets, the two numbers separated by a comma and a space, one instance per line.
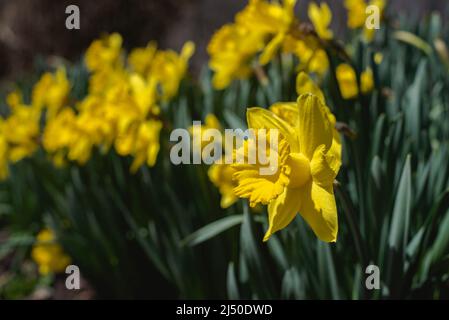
[401, 212]
[232, 288]
[211, 230]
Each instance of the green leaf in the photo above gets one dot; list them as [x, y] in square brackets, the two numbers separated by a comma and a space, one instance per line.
[211, 230]
[440, 246]
[401, 213]
[233, 291]
[14, 241]
[292, 287]
[413, 40]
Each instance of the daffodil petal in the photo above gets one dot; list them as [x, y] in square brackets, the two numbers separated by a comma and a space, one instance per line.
[259, 118]
[334, 153]
[271, 49]
[314, 127]
[304, 84]
[287, 111]
[319, 210]
[322, 169]
[257, 188]
[282, 210]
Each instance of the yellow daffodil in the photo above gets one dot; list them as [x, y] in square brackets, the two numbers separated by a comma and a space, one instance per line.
[169, 68]
[267, 17]
[141, 59]
[271, 19]
[321, 17]
[66, 134]
[221, 176]
[311, 60]
[104, 53]
[347, 81]
[231, 49]
[367, 81]
[51, 92]
[261, 27]
[378, 57]
[357, 15]
[307, 167]
[49, 255]
[21, 130]
[147, 144]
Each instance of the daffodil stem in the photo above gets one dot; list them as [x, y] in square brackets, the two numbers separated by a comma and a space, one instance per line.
[261, 75]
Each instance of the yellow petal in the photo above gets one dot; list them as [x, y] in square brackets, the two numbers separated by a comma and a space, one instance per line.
[367, 81]
[228, 199]
[321, 17]
[334, 153]
[319, 210]
[187, 50]
[271, 49]
[347, 81]
[258, 188]
[304, 84]
[259, 118]
[323, 168]
[314, 128]
[282, 210]
[287, 111]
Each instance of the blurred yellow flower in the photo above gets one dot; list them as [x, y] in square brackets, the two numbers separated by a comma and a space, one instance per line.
[221, 176]
[272, 19]
[141, 59]
[51, 91]
[347, 81]
[378, 57]
[21, 131]
[122, 105]
[321, 17]
[357, 15]
[231, 49]
[307, 167]
[169, 68]
[65, 134]
[311, 59]
[147, 144]
[367, 81]
[49, 255]
[261, 27]
[104, 53]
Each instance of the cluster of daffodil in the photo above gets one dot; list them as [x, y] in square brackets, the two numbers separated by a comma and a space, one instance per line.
[121, 108]
[263, 28]
[310, 149]
[48, 254]
[259, 32]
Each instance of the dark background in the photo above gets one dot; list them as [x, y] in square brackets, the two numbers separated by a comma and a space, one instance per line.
[31, 28]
